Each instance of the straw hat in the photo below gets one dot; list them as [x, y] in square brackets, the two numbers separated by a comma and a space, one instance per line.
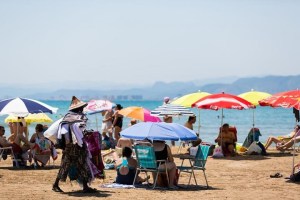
[76, 103]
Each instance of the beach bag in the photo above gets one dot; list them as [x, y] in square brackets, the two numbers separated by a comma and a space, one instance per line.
[263, 149]
[295, 177]
[218, 153]
[254, 149]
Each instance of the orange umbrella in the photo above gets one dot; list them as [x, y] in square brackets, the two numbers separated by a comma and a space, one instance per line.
[139, 113]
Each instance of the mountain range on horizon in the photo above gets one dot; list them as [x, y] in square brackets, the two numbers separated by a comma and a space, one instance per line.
[158, 90]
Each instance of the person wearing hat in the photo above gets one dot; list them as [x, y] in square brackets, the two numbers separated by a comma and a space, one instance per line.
[75, 152]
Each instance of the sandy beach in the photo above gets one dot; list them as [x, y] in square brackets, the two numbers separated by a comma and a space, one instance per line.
[240, 177]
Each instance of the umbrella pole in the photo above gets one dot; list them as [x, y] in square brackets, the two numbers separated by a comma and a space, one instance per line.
[293, 163]
[221, 128]
[96, 122]
[199, 122]
[253, 125]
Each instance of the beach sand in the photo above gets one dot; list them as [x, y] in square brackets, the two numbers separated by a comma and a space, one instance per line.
[240, 177]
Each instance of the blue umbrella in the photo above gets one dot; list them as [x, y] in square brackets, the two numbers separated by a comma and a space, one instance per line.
[22, 107]
[158, 131]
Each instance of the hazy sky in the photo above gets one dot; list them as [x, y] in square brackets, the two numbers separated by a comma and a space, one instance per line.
[140, 42]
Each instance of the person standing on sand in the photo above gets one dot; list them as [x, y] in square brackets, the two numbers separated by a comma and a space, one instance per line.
[75, 153]
[117, 122]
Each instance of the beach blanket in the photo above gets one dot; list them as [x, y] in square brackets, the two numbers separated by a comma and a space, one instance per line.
[116, 185]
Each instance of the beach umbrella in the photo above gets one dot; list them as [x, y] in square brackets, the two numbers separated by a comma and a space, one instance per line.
[187, 101]
[271, 101]
[254, 97]
[98, 106]
[222, 101]
[171, 110]
[21, 107]
[158, 131]
[31, 118]
[287, 99]
[139, 113]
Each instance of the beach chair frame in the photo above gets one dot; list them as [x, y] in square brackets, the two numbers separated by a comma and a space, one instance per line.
[147, 162]
[197, 162]
[13, 157]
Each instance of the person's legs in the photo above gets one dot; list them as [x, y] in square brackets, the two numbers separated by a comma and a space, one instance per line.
[270, 140]
[171, 172]
[117, 133]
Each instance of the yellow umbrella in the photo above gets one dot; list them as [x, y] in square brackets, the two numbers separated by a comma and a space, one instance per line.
[189, 99]
[31, 118]
[254, 97]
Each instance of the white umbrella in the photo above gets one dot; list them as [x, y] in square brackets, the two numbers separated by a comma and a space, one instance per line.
[172, 110]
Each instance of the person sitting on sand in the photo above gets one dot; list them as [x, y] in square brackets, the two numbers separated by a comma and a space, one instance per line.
[163, 152]
[126, 168]
[281, 139]
[16, 145]
[42, 152]
[226, 140]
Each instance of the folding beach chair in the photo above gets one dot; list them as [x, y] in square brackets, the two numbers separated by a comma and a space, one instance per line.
[4, 150]
[147, 162]
[196, 163]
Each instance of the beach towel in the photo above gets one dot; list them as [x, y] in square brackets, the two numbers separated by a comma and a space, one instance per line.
[116, 185]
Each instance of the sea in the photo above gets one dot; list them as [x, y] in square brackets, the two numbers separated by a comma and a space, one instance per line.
[270, 121]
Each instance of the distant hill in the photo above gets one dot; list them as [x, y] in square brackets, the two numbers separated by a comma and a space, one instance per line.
[271, 84]
[157, 91]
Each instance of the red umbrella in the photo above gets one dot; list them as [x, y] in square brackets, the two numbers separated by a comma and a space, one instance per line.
[280, 101]
[281, 98]
[222, 100]
[287, 99]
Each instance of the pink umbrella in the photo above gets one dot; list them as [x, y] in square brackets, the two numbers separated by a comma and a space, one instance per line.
[139, 113]
[96, 106]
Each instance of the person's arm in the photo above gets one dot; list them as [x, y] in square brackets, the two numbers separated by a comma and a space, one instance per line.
[116, 115]
[32, 139]
[170, 156]
[4, 143]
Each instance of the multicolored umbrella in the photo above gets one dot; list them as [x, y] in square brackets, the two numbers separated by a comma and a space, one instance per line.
[139, 113]
[21, 107]
[158, 131]
[187, 101]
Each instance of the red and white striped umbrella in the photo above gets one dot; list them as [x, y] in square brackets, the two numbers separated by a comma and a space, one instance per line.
[222, 100]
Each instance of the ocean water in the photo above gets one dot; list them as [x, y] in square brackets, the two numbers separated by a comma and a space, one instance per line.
[270, 121]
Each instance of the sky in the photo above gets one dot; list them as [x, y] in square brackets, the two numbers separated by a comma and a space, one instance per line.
[140, 42]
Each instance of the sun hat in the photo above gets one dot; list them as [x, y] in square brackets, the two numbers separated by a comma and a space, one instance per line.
[76, 103]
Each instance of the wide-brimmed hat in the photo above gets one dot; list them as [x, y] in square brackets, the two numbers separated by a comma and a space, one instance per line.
[76, 103]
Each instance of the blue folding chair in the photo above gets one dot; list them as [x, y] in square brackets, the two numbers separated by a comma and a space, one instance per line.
[147, 162]
[196, 163]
